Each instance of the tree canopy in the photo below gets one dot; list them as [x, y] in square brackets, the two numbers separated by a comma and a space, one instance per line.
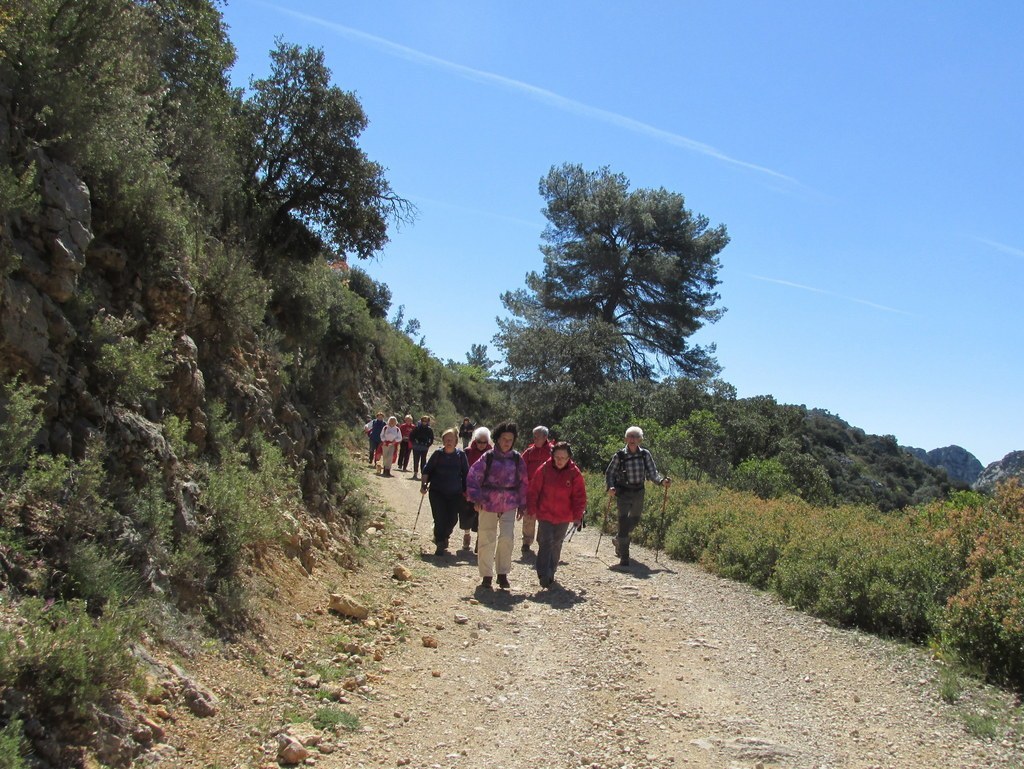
[305, 162]
[637, 261]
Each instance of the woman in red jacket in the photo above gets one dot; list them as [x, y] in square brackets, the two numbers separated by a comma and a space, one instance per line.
[557, 496]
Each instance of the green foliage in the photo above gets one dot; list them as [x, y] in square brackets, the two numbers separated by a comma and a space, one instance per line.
[231, 296]
[985, 620]
[13, 746]
[636, 261]
[20, 421]
[767, 478]
[63, 657]
[133, 371]
[304, 160]
[331, 718]
[591, 428]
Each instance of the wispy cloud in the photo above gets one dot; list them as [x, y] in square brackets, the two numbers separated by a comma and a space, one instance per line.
[826, 292]
[534, 92]
[1018, 252]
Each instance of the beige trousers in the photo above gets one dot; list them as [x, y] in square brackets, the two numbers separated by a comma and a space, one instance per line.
[495, 536]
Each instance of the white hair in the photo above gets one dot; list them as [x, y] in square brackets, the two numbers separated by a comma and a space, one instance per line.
[634, 430]
[540, 429]
[481, 432]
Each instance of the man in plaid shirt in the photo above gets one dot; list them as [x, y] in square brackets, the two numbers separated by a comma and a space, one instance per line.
[624, 478]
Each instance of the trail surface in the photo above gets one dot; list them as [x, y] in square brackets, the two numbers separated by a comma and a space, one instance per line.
[661, 666]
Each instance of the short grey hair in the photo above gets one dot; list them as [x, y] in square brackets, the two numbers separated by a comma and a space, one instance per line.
[634, 430]
[481, 432]
[540, 429]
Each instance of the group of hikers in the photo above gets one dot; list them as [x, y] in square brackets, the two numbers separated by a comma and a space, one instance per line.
[486, 486]
[392, 444]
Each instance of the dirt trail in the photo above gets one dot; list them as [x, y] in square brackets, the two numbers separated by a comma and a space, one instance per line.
[661, 666]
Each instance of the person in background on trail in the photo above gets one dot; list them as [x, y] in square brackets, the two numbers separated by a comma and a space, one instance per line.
[373, 429]
[421, 436]
[557, 495]
[390, 437]
[405, 448]
[444, 475]
[469, 518]
[535, 455]
[624, 478]
[497, 487]
[466, 431]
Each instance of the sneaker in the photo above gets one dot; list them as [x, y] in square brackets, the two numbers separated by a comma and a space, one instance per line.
[485, 583]
[503, 582]
[415, 477]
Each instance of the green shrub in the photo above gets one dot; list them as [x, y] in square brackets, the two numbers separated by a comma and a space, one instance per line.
[65, 659]
[985, 620]
[20, 421]
[133, 371]
[13, 746]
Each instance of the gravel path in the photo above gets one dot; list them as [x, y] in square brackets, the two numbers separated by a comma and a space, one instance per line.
[661, 666]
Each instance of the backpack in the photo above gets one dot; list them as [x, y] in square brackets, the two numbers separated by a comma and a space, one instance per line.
[488, 461]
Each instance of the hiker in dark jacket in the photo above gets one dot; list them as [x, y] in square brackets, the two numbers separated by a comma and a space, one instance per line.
[421, 437]
[373, 429]
[497, 487]
[466, 431]
[557, 496]
[624, 478]
[444, 476]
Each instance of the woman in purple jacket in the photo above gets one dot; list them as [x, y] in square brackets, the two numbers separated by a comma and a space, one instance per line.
[497, 488]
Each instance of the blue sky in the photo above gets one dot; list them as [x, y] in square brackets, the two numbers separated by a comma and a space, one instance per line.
[866, 158]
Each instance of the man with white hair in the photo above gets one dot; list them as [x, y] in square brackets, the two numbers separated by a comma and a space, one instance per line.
[630, 467]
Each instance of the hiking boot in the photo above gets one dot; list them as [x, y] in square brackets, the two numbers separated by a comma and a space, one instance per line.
[624, 562]
[545, 582]
[503, 582]
[441, 550]
[415, 477]
[485, 583]
[386, 474]
[526, 549]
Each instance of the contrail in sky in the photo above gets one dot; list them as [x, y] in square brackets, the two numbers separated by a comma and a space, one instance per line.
[1019, 253]
[534, 92]
[829, 293]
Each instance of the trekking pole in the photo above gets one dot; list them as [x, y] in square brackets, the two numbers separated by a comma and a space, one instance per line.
[422, 497]
[607, 508]
[661, 524]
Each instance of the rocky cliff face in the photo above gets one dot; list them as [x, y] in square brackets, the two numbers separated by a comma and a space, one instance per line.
[59, 277]
[1010, 466]
[961, 466]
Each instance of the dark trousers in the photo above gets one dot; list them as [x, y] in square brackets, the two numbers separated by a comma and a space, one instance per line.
[445, 509]
[419, 459]
[469, 518]
[403, 455]
[374, 443]
[550, 537]
[630, 505]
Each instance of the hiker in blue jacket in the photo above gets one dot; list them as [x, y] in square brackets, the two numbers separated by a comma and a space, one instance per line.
[630, 467]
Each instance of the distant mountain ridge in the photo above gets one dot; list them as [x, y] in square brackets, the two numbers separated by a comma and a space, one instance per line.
[1010, 466]
[960, 465]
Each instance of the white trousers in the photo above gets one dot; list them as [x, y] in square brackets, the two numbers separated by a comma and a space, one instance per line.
[495, 537]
